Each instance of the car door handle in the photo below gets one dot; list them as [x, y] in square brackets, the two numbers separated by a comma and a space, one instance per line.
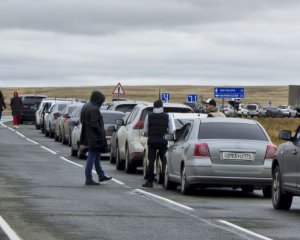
[294, 151]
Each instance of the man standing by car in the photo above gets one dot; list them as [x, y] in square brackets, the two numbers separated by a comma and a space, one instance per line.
[93, 136]
[156, 125]
[212, 110]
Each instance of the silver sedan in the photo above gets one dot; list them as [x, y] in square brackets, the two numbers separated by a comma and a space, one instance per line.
[215, 152]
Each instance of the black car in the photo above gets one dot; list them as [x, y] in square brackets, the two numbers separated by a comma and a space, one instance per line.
[30, 105]
[273, 112]
[285, 170]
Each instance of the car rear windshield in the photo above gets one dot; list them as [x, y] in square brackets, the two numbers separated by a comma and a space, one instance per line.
[251, 107]
[283, 107]
[71, 109]
[125, 107]
[231, 131]
[166, 109]
[61, 106]
[110, 118]
[32, 100]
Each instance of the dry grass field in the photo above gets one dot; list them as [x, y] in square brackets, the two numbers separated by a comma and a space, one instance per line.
[261, 94]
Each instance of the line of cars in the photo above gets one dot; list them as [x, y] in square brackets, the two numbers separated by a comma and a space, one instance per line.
[203, 152]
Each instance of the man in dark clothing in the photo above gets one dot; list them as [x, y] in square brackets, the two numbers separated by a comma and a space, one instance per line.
[212, 110]
[16, 104]
[2, 105]
[156, 125]
[93, 136]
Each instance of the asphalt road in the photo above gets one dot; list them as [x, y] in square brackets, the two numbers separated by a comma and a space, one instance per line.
[43, 196]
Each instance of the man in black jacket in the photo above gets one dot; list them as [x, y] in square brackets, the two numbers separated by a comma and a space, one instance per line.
[93, 136]
[156, 125]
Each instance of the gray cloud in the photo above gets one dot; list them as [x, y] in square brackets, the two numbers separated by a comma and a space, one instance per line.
[149, 42]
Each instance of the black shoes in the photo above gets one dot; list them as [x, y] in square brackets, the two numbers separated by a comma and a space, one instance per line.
[148, 184]
[104, 178]
[92, 183]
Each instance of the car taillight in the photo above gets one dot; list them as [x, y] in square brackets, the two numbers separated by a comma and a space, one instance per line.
[201, 150]
[139, 125]
[270, 152]
[109, 133]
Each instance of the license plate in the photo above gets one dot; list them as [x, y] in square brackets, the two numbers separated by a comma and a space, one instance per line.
[238, 156]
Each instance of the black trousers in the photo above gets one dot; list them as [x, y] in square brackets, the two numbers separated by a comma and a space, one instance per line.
[152, 153]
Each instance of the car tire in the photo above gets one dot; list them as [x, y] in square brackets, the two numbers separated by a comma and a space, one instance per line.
[129, 167]
[112, 158]
[280, 200]
[73, 152]
[80, 155]
[119, 162]
[70, 139]
[267, 192]
[186, 189]
[169, 185]
[248, 189]
[56, 137]
[51, 134]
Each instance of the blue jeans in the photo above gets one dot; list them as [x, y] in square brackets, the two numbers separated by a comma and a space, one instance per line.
[93, 158]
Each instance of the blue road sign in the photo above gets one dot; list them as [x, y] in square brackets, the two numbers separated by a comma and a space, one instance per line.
[222, 92]
[192, 98]
[165, 97]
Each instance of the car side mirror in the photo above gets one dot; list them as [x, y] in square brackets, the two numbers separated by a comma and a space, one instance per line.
[169, 137]
[73, 123]
[111, 128]
[120, 122]
[66, 115]
[285, 135]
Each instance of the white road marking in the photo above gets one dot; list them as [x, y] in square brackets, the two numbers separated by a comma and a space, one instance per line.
[49, 150]
[3, 125]
[20, 134]
[244, 230]
[8, 230]
[165, 199]
[11, 129]
[113, 179]
[67, 160]
[31, 141]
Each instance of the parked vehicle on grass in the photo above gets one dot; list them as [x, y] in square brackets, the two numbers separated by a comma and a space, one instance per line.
[287, 111]
[273, 112]
[243, 111]
[29, 107]
[256, 110]
[286, 170]
[227, 109]
[212, 152]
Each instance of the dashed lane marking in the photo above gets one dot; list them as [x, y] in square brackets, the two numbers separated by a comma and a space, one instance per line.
[244, 230]
[31, 141]
[20, 134]
[49, 150]
[165, 199]
[67, 160]
[12, 235]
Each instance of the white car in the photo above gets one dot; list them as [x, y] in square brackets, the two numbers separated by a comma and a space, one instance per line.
[243, 111]
[131, 143]
[287, 111]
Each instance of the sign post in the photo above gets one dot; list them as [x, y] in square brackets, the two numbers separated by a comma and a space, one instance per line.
[118, 90]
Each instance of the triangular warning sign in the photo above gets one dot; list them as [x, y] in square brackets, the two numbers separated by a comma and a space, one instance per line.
[118, 90]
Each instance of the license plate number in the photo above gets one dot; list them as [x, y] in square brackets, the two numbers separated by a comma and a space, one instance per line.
[238, 156]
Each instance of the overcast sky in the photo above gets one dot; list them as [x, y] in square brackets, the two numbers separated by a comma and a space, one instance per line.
[157, 42]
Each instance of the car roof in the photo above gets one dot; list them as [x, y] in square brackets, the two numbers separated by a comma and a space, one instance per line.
[112, 112]
[188, 115]
[33, 95]
[227, 120]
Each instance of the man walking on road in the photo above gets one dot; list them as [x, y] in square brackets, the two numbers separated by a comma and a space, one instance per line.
[93, 136]
[156, 125]
[16, 104]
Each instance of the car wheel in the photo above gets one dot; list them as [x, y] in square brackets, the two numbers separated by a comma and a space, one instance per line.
[63, 139]
[186, 189]
[129, 167]
[167, 183]
[119, 162]
[56, 137]
[159, 171]
[73, 152]
[70, 139]
[112, 158]
[51, 134]
[280, 200]
[46, 132]
[267, 192]
[248, 189]
[80, 155]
